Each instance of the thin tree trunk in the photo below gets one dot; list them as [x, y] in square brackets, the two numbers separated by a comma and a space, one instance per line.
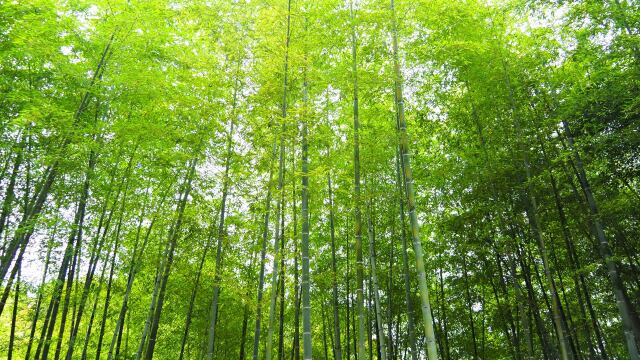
[413, 350]
[390, 291]
[133, 270]
[337, 351]
[324, 334]
[469, 305]
[531, 209]
[107, 299]
[41, 292]
[76, 256]
[173, 239]
[95, 252]
[503, 311]
[221, 224]
[306, 283]
[578, 279]
[14, 317]
[524, 313]
[74, 309]
[374, 282]
[295, 350]
[9, 194]
[276, 251]
[397, 339]
[282, 280]
[348, 296]
[427, 319]
[354, 330]
[126, 340]
[245, 324]
[194, 292]
[358, 215]
[245, 315]
[12, 276]
[73, 243]
[509, 315]
[263, 251]
[152, 304]
[284, 116]
[445, 331]
[71, 275]
[542, 334]
[630, 321]
[514, 340]
[87, 338]
[369, 319]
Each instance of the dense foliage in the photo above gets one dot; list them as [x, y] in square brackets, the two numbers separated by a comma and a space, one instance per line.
[362, 179]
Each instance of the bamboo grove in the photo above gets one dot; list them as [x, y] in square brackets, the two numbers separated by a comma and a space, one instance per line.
[282, 179]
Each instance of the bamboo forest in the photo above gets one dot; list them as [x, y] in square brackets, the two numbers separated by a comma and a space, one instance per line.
[327, 179]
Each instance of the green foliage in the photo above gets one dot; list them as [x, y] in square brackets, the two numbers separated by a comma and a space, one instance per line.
[147, 87]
